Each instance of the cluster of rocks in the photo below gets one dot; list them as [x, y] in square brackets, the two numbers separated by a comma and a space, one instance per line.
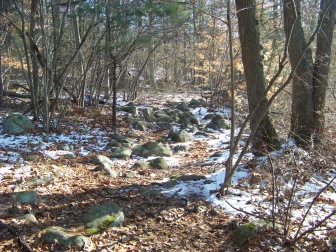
[102, 217]
[95, 220]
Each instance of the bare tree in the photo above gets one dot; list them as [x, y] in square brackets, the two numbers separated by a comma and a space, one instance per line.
[265, 138]
[311, 80]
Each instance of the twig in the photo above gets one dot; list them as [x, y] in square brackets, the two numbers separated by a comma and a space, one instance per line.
[21, 241]
[309, 208]
[312, 229]
[247, 213]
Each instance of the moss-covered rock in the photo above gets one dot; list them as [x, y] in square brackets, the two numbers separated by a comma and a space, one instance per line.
[179, 148]
[101, 159]
[121, 153]
[102, 217]
[58, 234]
[139, 125]
[152, 149]
[26, 197]
[141, 165]
[17, 124]
[197, 103]
[219, 122]
[180, 136]
[244, 233]
[159, 163]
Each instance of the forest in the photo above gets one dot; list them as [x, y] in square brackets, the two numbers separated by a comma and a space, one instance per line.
[162, 125]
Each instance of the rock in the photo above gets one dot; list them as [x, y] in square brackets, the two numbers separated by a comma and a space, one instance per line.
[130, 109]
[192, 177]
[180, 136]
[101, 159]
[179, 148]
[115, 143]
[164, 125]
[196, 103]
[159, 163]
[129, 175]
[121, 153]
[218, 122]
[244, 233]
[57, 234]
[217, 154]
[162, 117]
[106, 167]
[139, 125]
[104, 163]
[148, 114]
[70, 155]
[141, 165]
[27, 197]
[121, 139]
[187, 119]
[209, 116]
[152, 149]
[201, 133]
[183, 107]
[67, 147]
[102, 217]
[28, 218]
[17, 124]
[151, 192]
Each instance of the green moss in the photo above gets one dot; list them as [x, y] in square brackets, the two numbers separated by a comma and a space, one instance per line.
[244, 233]
[92, 231]
[108, 222]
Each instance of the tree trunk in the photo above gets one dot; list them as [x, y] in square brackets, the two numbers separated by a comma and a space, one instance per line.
[302, 117]
[322, 66]
[35, 87]
[311, 80]
[265, 138]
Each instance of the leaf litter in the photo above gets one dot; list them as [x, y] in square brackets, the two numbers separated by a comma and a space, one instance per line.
[162, 212]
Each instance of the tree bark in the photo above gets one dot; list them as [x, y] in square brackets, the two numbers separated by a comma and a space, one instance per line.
[322, 66]
[311, 80]
[302, 117]
[265, 138]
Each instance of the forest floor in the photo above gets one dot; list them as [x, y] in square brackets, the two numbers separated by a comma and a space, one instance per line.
[182, 216]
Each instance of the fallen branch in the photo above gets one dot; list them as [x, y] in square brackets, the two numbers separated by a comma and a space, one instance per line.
[22, 244]
[14, 94]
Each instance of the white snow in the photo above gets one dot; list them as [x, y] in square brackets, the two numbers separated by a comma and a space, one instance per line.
[90, 140]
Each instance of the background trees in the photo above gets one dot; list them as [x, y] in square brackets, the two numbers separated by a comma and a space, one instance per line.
[83, 52]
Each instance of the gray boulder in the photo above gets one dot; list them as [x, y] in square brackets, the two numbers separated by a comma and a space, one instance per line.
[26, 197]
[101, 159]
[139, 125]
[152, 149]
[187, 119]
[197, 103]
[218, 123]
[102, 217]
[180, 136]
[148, 114]
[121, 153]
[130, 109]
[159, 163]
[179, 148]
[57, 234]
[141, 165]
[182, 106]
[17, 124]
[104, 164]
[28, 218]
